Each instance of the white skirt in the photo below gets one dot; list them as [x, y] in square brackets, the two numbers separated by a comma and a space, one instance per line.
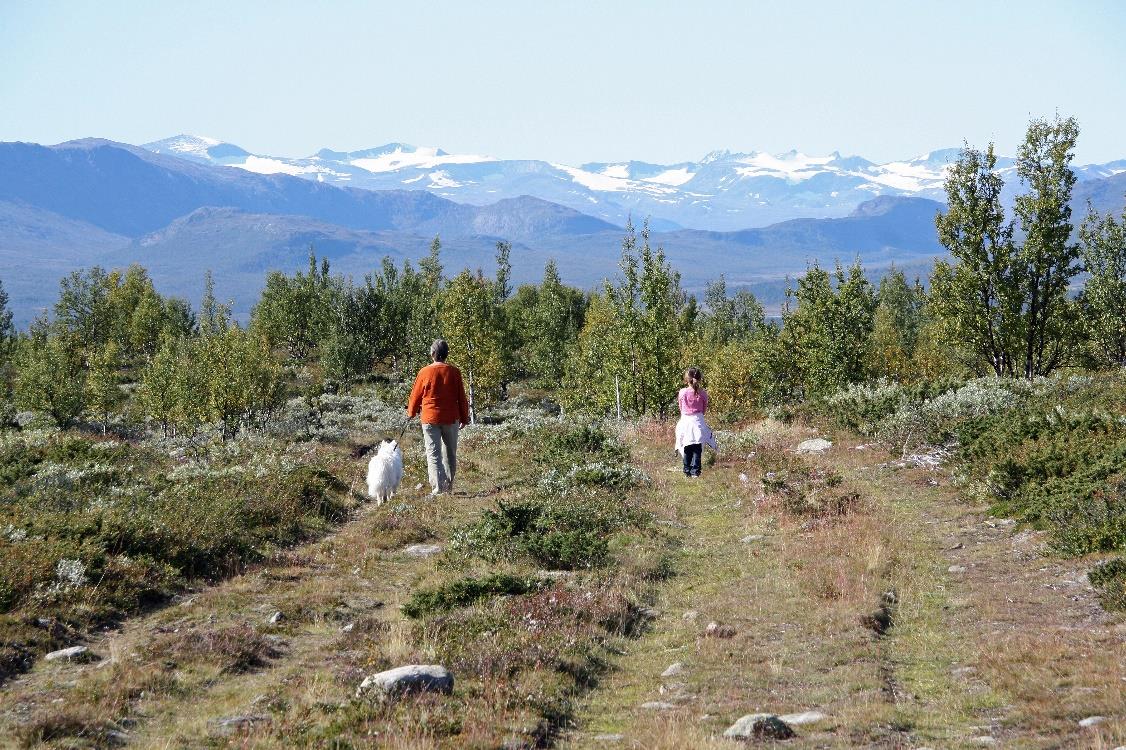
[692, 429]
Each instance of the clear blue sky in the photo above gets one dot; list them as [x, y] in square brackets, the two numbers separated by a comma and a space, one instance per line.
[572, 82]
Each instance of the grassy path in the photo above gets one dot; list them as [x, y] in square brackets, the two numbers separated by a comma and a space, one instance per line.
[992, 643]
[168, 679]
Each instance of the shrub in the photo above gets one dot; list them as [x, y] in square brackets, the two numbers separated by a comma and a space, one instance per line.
[234, 649]
[559, 533]
[466, 591]
[580, 444]
[1109, 578]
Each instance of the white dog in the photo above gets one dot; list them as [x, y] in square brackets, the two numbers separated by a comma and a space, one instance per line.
[385, 471]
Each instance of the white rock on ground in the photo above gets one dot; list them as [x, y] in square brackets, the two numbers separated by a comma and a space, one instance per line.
[657, 706]
[423, 550]
[814, 445]
[759, 726]
[74, 653]
[1091, 721]
[690, 615]
[409, 679]
[805, 717]
[232, 724]
[752, 538]
[276, 618]
[673, 670]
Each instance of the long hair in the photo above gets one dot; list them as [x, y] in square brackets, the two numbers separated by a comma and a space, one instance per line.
[694, 377]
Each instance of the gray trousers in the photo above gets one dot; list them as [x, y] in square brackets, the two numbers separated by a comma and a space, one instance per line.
[440, 472]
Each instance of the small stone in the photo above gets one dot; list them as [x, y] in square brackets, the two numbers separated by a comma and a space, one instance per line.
[1091, 721]
[74, 653]
[348, 628]
[690, 615]
[805, 717]
[715, 630]
[956, 569]
[609, 737]
[759, 726]
[657, 706]
[814, 445]
[233, 724]
[673, 670]
[418, 487]
[276, 618]
[744, 478]
[962, 671]
[751, 538]
[422, 550]
[114, 737]
[984, 740]
[411, 678]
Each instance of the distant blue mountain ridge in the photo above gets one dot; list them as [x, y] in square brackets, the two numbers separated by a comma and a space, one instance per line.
[98, 202]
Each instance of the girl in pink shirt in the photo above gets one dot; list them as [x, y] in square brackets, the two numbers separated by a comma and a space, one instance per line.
[692, 432]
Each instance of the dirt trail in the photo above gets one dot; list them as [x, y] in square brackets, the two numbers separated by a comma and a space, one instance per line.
[993, 642]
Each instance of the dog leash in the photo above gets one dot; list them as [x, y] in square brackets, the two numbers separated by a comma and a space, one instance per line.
[406, 424]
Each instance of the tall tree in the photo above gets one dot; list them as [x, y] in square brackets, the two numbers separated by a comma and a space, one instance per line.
[469, 320]
[214, 317]
[1103, 300]
[296, 311]
[831, 327]
[896, 324]
[50, 377]
[979, 297]
[7, 343]
[1047, 254]
[103, 383]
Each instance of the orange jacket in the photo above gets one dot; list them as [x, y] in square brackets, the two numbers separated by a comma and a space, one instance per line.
[439, 392]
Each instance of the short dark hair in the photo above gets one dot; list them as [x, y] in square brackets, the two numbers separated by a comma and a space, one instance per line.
[439, 350]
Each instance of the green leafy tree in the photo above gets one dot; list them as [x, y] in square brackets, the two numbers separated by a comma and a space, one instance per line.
[296, 312]
[470, 315]
[7, 344]
[1008, 302]
[595, 365]
[83, 313]
[979, 297]
[1103, 300]
[214, 317]
[356, 326]
[164, 391]
[1048, 255]
[103, 383]
[50, 377]
[546, 321]
[831, 327]
[896, 324]
[634, 347]
[727, 319]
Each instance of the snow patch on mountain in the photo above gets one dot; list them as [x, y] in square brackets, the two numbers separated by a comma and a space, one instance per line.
[422, 158]
[672, 177]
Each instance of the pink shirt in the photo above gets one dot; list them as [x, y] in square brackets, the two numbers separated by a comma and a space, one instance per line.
[691, 402]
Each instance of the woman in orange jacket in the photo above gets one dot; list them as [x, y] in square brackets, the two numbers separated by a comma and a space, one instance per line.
[439, 395]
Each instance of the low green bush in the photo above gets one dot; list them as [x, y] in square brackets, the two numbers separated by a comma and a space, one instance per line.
[92, 530]
[1109, 578]
[466, 591]
[579, 444]
[563, 533]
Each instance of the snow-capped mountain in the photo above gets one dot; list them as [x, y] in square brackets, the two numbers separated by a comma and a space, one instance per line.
[721, 191]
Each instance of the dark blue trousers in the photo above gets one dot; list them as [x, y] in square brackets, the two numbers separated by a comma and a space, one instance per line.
[692, 455]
